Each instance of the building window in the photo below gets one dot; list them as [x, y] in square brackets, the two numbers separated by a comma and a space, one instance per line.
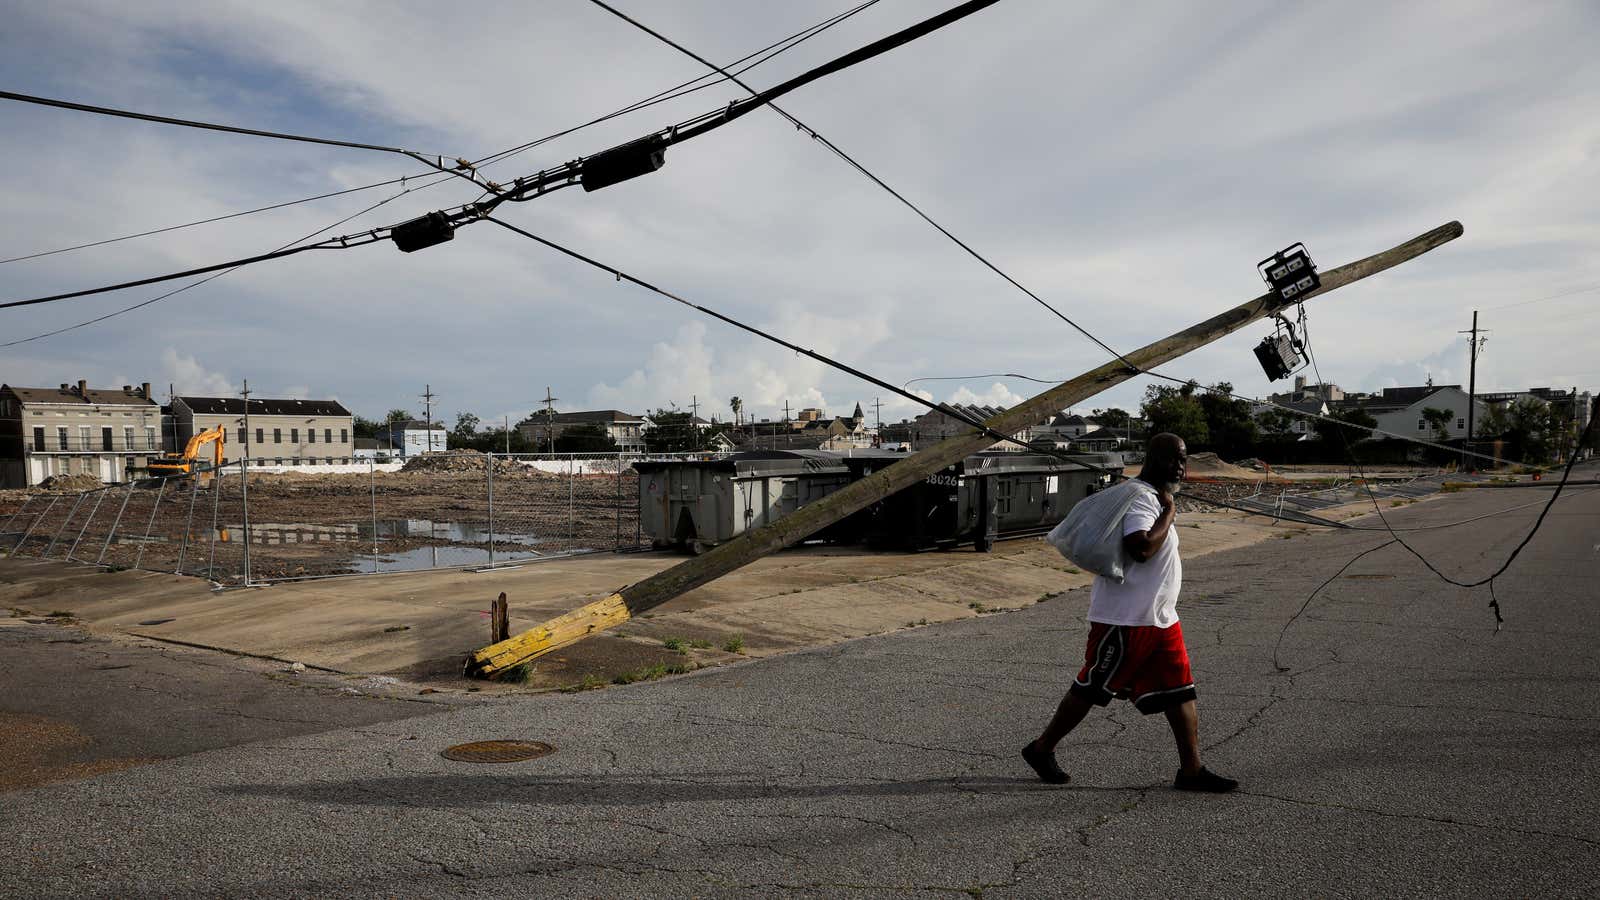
[277, 435]
[61, 437]
[327, 435]
[149, 438]
[278, 461]
[311, 435]
[344, 435]
[85, 437]
[1422, 425]
[38, 440]
[261, 436]
[1461, 423]
[127, 439]
[242, 439]
[294, 435]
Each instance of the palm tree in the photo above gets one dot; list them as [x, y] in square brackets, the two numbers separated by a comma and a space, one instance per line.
[738, 407]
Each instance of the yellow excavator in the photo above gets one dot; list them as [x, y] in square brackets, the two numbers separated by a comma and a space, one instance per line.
[189, 462]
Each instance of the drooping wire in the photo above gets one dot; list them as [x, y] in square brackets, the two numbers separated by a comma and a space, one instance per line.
[209, 278]
[864, 171]
[568, 174]
[194, 123]
[684, 89]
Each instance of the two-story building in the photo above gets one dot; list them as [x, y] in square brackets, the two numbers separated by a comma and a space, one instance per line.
[541, 429]
[76, 430]
[278, 432]
[1400, 411]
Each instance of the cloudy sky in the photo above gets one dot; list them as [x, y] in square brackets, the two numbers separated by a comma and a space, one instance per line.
[1128, 162]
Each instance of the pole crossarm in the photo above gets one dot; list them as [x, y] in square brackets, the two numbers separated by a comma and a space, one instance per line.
[634, 599]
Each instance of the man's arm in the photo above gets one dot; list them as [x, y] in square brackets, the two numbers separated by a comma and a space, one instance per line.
[1141, 545]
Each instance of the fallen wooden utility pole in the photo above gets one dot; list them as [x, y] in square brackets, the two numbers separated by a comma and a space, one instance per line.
[802, 523]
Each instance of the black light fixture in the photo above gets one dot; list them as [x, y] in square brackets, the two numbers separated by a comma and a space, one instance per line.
[1291, 272]
[423, 231]
[630, 160]
[1278, 355]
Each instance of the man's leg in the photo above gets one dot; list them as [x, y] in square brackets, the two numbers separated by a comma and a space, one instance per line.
[1071, 711]
[1040, 753]
[1185, 722]
[1192, 776]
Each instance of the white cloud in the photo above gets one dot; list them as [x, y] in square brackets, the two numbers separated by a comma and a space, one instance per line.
[1204, 158]
[997, 395]
[188, 376]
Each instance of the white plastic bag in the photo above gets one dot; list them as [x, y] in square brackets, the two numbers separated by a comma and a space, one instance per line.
[1091, 534]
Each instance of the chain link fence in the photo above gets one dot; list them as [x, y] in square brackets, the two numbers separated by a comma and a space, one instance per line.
[247, 524]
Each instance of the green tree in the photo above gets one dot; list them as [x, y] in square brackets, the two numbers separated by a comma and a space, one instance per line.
[1232, 431]
[1275, 424]
[592, 438]
[1340, 436]
[363, 427]
[673, 433]
[1440, 420]
[397, 415]
[1176, 409]
[1111, 417]
[465, 434]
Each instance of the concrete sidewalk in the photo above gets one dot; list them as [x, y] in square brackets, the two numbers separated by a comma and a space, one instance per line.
[1409, 749]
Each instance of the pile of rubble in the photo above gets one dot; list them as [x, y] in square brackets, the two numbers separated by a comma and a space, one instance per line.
[80, 482]
[462, 462]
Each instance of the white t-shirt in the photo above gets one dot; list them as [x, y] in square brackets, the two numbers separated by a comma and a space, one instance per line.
[1148, 594]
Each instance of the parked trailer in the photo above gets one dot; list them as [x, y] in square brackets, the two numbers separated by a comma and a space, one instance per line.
[983, 498]
[694, 505]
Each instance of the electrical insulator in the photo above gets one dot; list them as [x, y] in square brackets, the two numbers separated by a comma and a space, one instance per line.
[619, 164]
[423, 231]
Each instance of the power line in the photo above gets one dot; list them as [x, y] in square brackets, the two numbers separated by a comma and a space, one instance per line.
[581, 170]
[438, 164]
[193, 123]
[208, 278]
[681, 90]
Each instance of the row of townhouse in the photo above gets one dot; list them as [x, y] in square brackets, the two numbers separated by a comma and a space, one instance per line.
[114, 434]
[1402, 411]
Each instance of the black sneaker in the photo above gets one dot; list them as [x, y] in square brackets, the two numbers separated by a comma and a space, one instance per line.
[1045, 765]
[1204, 780]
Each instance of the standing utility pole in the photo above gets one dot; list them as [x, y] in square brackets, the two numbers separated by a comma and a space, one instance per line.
[1476, 344]
[427, 401]
[550, 421]
[244, 482]
[795, 527]
[508, 434]
[694, 413]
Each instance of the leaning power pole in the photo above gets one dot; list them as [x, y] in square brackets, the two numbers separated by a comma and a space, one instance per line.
[806, 521]
[1475, 344]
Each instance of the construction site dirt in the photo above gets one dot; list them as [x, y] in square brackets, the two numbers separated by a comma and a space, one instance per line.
[303, 525]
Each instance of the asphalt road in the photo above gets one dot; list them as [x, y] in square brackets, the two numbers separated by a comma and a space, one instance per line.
[1410, 749]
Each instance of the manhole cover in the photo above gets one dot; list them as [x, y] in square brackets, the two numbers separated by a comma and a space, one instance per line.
[497, 751]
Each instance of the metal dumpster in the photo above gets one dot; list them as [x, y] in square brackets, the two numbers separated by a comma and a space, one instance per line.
[696, 504]
[984, 497]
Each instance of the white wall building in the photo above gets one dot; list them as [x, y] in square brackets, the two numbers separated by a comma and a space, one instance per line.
[412, 437]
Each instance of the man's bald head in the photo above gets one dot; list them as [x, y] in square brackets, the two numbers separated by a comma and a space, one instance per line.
[1166, 461]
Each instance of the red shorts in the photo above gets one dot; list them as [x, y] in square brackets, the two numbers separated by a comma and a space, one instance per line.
[1142, 663]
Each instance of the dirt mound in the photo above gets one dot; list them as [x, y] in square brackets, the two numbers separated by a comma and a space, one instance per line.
[460, 462]
[79, 482]
[1209, 465]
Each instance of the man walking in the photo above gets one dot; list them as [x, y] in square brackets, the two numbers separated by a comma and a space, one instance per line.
[1136, 648]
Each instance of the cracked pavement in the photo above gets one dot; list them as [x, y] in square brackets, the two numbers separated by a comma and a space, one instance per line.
[1409, 748]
